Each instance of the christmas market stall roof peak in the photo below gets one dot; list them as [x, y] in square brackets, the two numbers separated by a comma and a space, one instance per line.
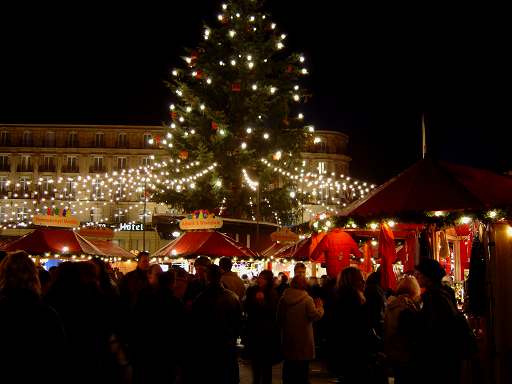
[205, 243]
[431, 185]
[44, 241]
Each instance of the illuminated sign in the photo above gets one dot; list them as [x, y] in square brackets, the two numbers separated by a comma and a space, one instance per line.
[201, 220]
[131, 227]
[284, 236]
[56, 221]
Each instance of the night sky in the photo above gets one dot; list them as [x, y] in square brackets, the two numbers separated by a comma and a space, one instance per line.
[373, 73]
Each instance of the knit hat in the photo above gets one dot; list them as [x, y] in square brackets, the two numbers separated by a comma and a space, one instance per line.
[431, 269]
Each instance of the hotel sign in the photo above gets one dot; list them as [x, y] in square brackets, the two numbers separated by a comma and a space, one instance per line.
[56, 221]
[131, 227]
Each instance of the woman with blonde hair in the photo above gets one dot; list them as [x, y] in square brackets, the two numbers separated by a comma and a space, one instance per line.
[30, 328]
[399, 327]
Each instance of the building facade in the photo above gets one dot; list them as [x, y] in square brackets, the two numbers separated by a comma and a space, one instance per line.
[55, 166]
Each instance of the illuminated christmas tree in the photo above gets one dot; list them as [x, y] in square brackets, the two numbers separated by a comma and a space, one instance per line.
[234, 106]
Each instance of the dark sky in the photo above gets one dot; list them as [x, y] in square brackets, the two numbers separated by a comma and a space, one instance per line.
[373, 72]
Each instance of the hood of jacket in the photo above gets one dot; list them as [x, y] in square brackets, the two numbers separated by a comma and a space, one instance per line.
[292, 296]
[401, 302]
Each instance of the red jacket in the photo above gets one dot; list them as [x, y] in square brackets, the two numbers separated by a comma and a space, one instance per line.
[337, 246]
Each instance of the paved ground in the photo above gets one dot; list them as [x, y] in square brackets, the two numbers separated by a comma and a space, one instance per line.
[318, 375]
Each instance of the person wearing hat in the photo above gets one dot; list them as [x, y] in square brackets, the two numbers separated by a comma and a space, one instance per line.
[439, 355]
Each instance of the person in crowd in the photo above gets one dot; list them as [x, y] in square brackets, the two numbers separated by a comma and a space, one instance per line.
[439, 321]
[246, 281]
[3, 254]
[283, 277]
[300, 270]
[134, 282]
[296, 313]
[375, 303]
[230, 280]
[30, 328]
[180, 283]
[198, 283]
[76, 296]
[45, 278]
[400, 324]
[214, 345]
[348, 329]
[263, 338]
[158, 307]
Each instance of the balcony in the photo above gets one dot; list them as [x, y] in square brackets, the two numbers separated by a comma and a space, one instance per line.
[5, 168]
[97, 169]
[47, 168]
[72, 143]
[67, 169]
[47, 193]
[25, 168]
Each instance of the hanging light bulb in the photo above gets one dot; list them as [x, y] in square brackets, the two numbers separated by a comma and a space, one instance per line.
[296, 97]
[189, 109]
[249, 130]
[254, 87]
[175, 72]
[302, 59]
[232, 33]
[202, 107]
[171, 107]
[304, 71]
[233, 62]
[300, 116]
[273, 90]
[266, 136]
[249, 57]
[208, 81]
[273, 25]
[188, 60]
[224, 6]
[220, 17]
[250, 65]
[280, 45]
[243, 145]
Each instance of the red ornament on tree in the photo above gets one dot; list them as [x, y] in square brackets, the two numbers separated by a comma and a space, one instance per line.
[215, 126]
[183, 155]
[289, 69]
[157, 139]
[199, 74]
[235, 87]
[174, 115]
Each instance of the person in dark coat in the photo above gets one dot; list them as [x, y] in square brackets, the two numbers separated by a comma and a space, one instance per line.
[375, 302]
[77, 298]
[198, 284]
[439, 322]
[216, 317]
[134, 282]
[283, 284]
[263, 338]
[348, 328]
[157, 354]
[31, 330]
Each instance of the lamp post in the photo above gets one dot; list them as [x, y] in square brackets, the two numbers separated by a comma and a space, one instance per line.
[144, 219]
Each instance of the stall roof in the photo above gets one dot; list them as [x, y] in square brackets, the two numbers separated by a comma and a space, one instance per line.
[206, 243]
[430, 185]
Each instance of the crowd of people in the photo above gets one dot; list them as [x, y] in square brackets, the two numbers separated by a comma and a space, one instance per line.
[82, 323]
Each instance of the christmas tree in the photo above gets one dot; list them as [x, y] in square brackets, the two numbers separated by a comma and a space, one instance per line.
[233, 106]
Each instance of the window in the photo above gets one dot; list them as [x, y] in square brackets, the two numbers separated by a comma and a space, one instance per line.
[72, 141]
[322, 167]
[48, 164]
[4, 163]
[25, 164]
[96, 189]
[4, 184]
[120, 215]
[122, 140]
[72, 164]
[69, 188]
[22, 213]
[146, 161]
[24, 184]
[97, 164]
[148, 140]
[5, 138]
[96, 215]
[119, 193]
[121, 163]
[141, 216]
[321, 147]
[99, 139]
[4, 214]
[46, 187]
[50, 139]
[26, 139]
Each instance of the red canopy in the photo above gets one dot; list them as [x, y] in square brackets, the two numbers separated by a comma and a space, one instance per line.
[435, 186]
[274, 249]
[206, 243]
[60, 241]
[111, 249]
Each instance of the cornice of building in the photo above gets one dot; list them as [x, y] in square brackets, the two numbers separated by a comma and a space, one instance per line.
[85, 126]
